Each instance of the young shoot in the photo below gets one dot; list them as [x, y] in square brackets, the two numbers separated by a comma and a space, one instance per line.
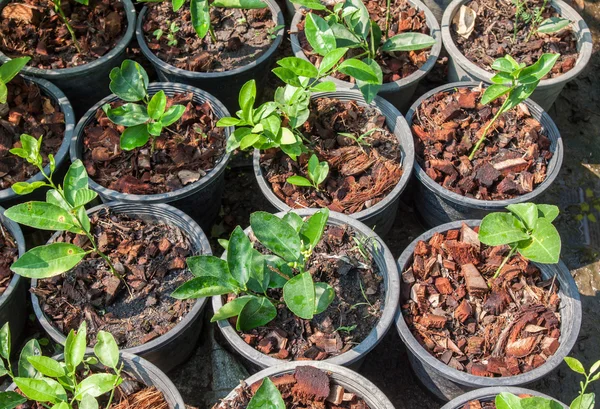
[59, 11]
[527, 229]
[538, 24]
[173, 29]
[361, 139]
[517, 82]
[8, 71]
[143, 120]
[251, 275]
[67, 383]
[63, 210]
[349, 25]
[317, 173]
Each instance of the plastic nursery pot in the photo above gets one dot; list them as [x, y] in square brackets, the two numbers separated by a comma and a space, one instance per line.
[147, 374]
[338, 375]
[200, 200]
[13, 305]
[447, 383]
[8, 197]
[489, 394]
[173, 348]
[438, 205]
[381, 216]
[385, 261]
[87, 83]
[225, 85]
[462, 69]
[400, 92]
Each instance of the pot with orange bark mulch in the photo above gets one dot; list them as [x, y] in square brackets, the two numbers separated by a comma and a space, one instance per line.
[466, 330]
[484, 398]
[519, 161]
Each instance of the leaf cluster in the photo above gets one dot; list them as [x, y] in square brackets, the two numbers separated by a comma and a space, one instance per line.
[291, 240]
[317, 173]
[173, 28]
[141, 120]
[57, 384]
[8, 71]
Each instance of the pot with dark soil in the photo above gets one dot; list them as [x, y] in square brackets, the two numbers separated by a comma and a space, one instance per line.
[314, 385]
[232, 42]
[519, 158]
[164, 149]
[72, 44]
[475, 316]
[402, 51]
[476, 32]
[484, 398]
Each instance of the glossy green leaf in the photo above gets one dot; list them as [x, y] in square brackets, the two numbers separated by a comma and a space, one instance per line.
[408, 42]
[37, 389]
[228, 121]
[276, 235]
[3, 93]
[48, 260]
[299, 67]
[128, 114]
[553, 25]
[247, 94]
[324, 295]
[157, 105]
[134, 137]
[42, 215]
[5, 340]
[87, 402]
[594, 367]
[24, 188]
[47, 366]
[310, 4]
[97, 384]
[331, 59]
[239, 256]
[11, 68]
[129, 82]
[287, 76]
[10, 400]
[172, 115]
[106, 349]
[240, 4]
[501, 228]
[266, 397]
[177, 4]
[505, 64]
[358, 70]
[233, 142]
[84, 196]
[502, 78]
[548, 212]
[208, 266]
[257, 312]
[541, 67]
[318, 171]
[200, 16]
[312, 230]
[299, 295]
[199, 287]
[299, 181]
[259, 275]
[325, 86]
[232, 308]
[65, 405]
[294, 220]
[537, 402]
[544, 246]
[586, 401]
[359, 21]
[25, 368]
[527, 212]
[494, 92]
[344, 38]
[506, 400]
[319, 34]
[75, 180]
[75, 345]
[368, 88]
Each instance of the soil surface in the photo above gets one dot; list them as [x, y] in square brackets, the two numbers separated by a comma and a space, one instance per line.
[151, 257]
[9, 253]
[354, 312]
[27, 111]
[360, 174]
[307, 387]
[493, 36]
[404, 18]
[33, 28]
[242, 37]
[184, 153]
[471, 321]
[512, 161]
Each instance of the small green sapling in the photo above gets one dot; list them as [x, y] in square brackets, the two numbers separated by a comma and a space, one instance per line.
[361, 139]
[317, 173]
[517, 82]
[247, 271]
[65, 383]
[538, 23]
[172, 30]
[145, 119]
[8, 71]
[63, 210]
[527, 228]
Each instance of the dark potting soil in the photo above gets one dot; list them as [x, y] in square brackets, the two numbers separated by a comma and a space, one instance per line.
[32, 28]
[151, 257]
[493, 36]
[184, 153]
[360, 175]
[340, 261]
[404, 18]
[307, 387]
[9, 253]
[511, 162]
[507, 328]
[27, 111]
[243, 36]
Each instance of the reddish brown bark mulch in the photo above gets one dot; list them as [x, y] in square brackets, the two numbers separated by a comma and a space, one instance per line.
[32, 28]
[476, 404]
[9, 253]
[243, 36]
[511, 162]
[507, 329]
[307, 387]
[151, 257]
[404, 18]
[184, 153]
[492, 37]
[360, 176]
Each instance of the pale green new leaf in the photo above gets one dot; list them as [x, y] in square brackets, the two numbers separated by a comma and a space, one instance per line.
[48, 260]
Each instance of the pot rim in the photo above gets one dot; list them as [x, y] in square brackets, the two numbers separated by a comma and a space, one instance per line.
[485, 393]
[15, 230]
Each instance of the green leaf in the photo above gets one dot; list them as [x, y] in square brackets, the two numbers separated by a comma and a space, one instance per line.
[134, 137]
[247, 94]
[240, 4]
[548, 212]
[331, 59]
[200, 16]
[279, 270]
[128, 114]
[367, 88]
[257, 312]
[23, 188]
[75, 345]
[172, 115]
[319, 34]
[299, 67]
[553, 25]
[324, 295]
[10, 400]
[505, 64]
[537, 402]
[129, 82]
[293, 151]
[157, 105]
[276, 235]
[232, 308]
[527, 212]
[299, 181]
[249, 141]
[31, 146]
[208, 266]
[541, 67]
[26, 369]
[97, 384]
[106, 349]
[266, 397]
[325, 86]
[494, 92]
[501, 228]
[233, 142]
[3, 93]
[228, 121]
[11, 68]
[293, 220]
[199, 287]
[38, 389]
[506, 400]
[3, 370]
[312, 230]
[84, 2]
[65, 405]
[310, 4]
[343, 36]
[239, 256]
[259, 275]
[358, 70]
[408, 42]
[544, 246]
[502, 78]
[76, 179]
[87, 402]
[287, 76]
[177, 4]
[595, 367]
[575, 365]
[319, 170]
[586, 401]
[84, 196]
[5, 340]
[53, 197]
[299, 295]
[48, 260]
[359, 21]
[47, 366]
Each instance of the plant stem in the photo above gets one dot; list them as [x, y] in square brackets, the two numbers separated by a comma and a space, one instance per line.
[387, 18]
[212, 34]
[61, 13]
[510, 254]
[112, 392]
[487, 128]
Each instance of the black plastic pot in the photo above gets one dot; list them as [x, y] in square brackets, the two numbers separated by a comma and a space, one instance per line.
[489, 394]
[385, 261]
[86, 84]
[8, 197]
[200, 200]
[447, 383]
[148, 374]
[381, 216]
[13, 304]
[400, 92]
[460, 68]
[351, 381]
[174, 347]
[438, 205]
[225, 85]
